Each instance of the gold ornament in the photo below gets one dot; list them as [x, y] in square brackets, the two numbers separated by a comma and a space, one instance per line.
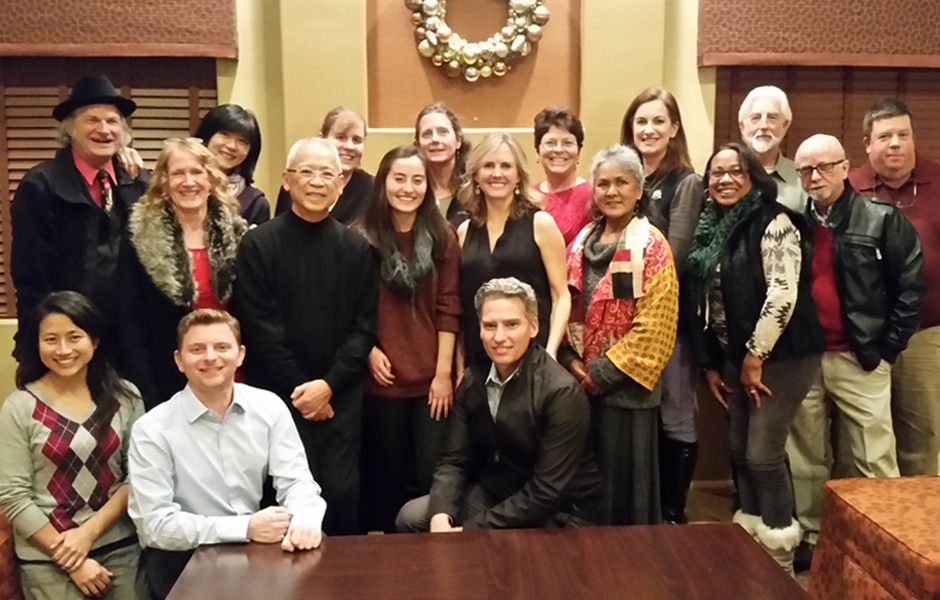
[431, 7]
[437, 59]
[471, 74]
[533, 33]
[426, 49]
[507, 33]
[417, 18]
[452, 69]
[471, 53]
[413, 5]
[540, 15]
[486, 71]
[419, 33]
[444, 32]
[499, 69]
[521, 5]
[447, 56]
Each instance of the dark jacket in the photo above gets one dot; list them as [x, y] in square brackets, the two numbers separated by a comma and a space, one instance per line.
[535, 460]
[744, 290]
[157, 290]
[62, 240]
[253, 206]
[878, 268]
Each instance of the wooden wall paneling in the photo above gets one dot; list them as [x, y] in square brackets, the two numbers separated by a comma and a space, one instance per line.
[922, 95]
[723, 114]
[816, 101]
[6, 285]
[866, 87]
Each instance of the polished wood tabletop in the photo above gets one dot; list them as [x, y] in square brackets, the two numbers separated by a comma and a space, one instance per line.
[683, 562]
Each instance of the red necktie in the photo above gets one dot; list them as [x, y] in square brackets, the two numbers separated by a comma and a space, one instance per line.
[107, 199]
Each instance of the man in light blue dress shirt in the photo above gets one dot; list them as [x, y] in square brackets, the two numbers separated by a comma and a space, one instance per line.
[197, 462]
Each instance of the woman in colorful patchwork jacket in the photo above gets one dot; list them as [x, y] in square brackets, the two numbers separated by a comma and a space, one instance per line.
[622, 331]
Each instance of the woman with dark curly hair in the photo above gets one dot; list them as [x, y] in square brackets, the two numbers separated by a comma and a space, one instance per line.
[69, 422]
[179, 255]
[755, 331]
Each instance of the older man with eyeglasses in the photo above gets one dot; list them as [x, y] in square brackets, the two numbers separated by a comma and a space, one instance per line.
[305, 292]
[868, 285]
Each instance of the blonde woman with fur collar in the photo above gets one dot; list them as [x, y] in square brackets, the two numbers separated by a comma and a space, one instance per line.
[179, 255]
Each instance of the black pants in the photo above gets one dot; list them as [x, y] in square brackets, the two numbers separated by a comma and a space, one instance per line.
[159, 570]
[332, 448]
[400, 447]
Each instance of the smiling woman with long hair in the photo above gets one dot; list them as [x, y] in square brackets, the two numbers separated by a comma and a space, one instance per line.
[179, 256]
[755, 330]
[410, 388]
[508, 236]
[69, 422]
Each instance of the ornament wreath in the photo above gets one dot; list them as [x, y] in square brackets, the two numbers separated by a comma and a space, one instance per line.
[473, 60]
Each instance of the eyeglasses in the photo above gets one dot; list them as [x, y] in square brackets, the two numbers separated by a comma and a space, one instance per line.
[716, 175]
[308, 174]
[568, 145]
[823, 169]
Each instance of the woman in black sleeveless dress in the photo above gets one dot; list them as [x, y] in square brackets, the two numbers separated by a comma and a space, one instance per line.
[508, 236]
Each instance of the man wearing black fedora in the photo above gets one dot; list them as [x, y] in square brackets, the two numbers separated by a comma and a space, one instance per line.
[69, 213]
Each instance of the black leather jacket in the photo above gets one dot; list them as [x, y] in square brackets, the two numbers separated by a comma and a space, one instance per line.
[535, 460]
[879, 275]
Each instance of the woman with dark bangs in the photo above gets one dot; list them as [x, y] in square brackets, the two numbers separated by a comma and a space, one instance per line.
[69, 421]
[409, 390]
[232, 135]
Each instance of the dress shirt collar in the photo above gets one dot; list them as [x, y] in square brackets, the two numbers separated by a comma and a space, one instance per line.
[193, 408]
[494, 379]
[927, 173]
[89, 173]
[785, 169]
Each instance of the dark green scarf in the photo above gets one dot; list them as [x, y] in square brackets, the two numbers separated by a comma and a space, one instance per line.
[711, 235]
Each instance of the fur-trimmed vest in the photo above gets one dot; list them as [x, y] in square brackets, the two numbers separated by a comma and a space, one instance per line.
[157, 236]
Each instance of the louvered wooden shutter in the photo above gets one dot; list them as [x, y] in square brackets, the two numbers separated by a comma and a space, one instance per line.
[832, 100]
[28, 134]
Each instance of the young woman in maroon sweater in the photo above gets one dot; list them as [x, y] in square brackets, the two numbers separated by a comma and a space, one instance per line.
[409, 389]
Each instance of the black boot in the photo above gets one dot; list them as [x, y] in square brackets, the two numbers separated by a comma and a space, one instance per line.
[676, 468]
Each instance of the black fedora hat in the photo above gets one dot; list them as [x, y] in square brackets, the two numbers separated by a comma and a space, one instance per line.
[94, 89]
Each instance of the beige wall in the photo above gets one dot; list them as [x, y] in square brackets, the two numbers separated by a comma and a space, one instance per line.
[324, 48]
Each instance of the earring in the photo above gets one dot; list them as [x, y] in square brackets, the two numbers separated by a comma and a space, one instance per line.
[517, 190]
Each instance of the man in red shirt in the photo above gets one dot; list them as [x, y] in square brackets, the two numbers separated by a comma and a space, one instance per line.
[69, 213]
[896, 173]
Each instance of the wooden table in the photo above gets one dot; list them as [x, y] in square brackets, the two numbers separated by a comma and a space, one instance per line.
[682, 562]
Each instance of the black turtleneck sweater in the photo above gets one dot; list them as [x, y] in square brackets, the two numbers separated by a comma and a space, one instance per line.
[305, 294]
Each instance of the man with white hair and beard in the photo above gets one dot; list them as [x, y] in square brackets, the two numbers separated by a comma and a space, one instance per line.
[764, 118]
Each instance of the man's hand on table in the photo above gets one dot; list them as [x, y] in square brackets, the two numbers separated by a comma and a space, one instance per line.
[301, 536]
[440, 523]
[269, 525]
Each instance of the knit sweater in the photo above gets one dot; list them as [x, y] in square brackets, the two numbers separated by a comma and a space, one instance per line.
[408, 327]
[53, 470]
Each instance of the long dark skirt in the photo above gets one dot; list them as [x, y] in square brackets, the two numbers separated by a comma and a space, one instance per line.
[626, 440]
